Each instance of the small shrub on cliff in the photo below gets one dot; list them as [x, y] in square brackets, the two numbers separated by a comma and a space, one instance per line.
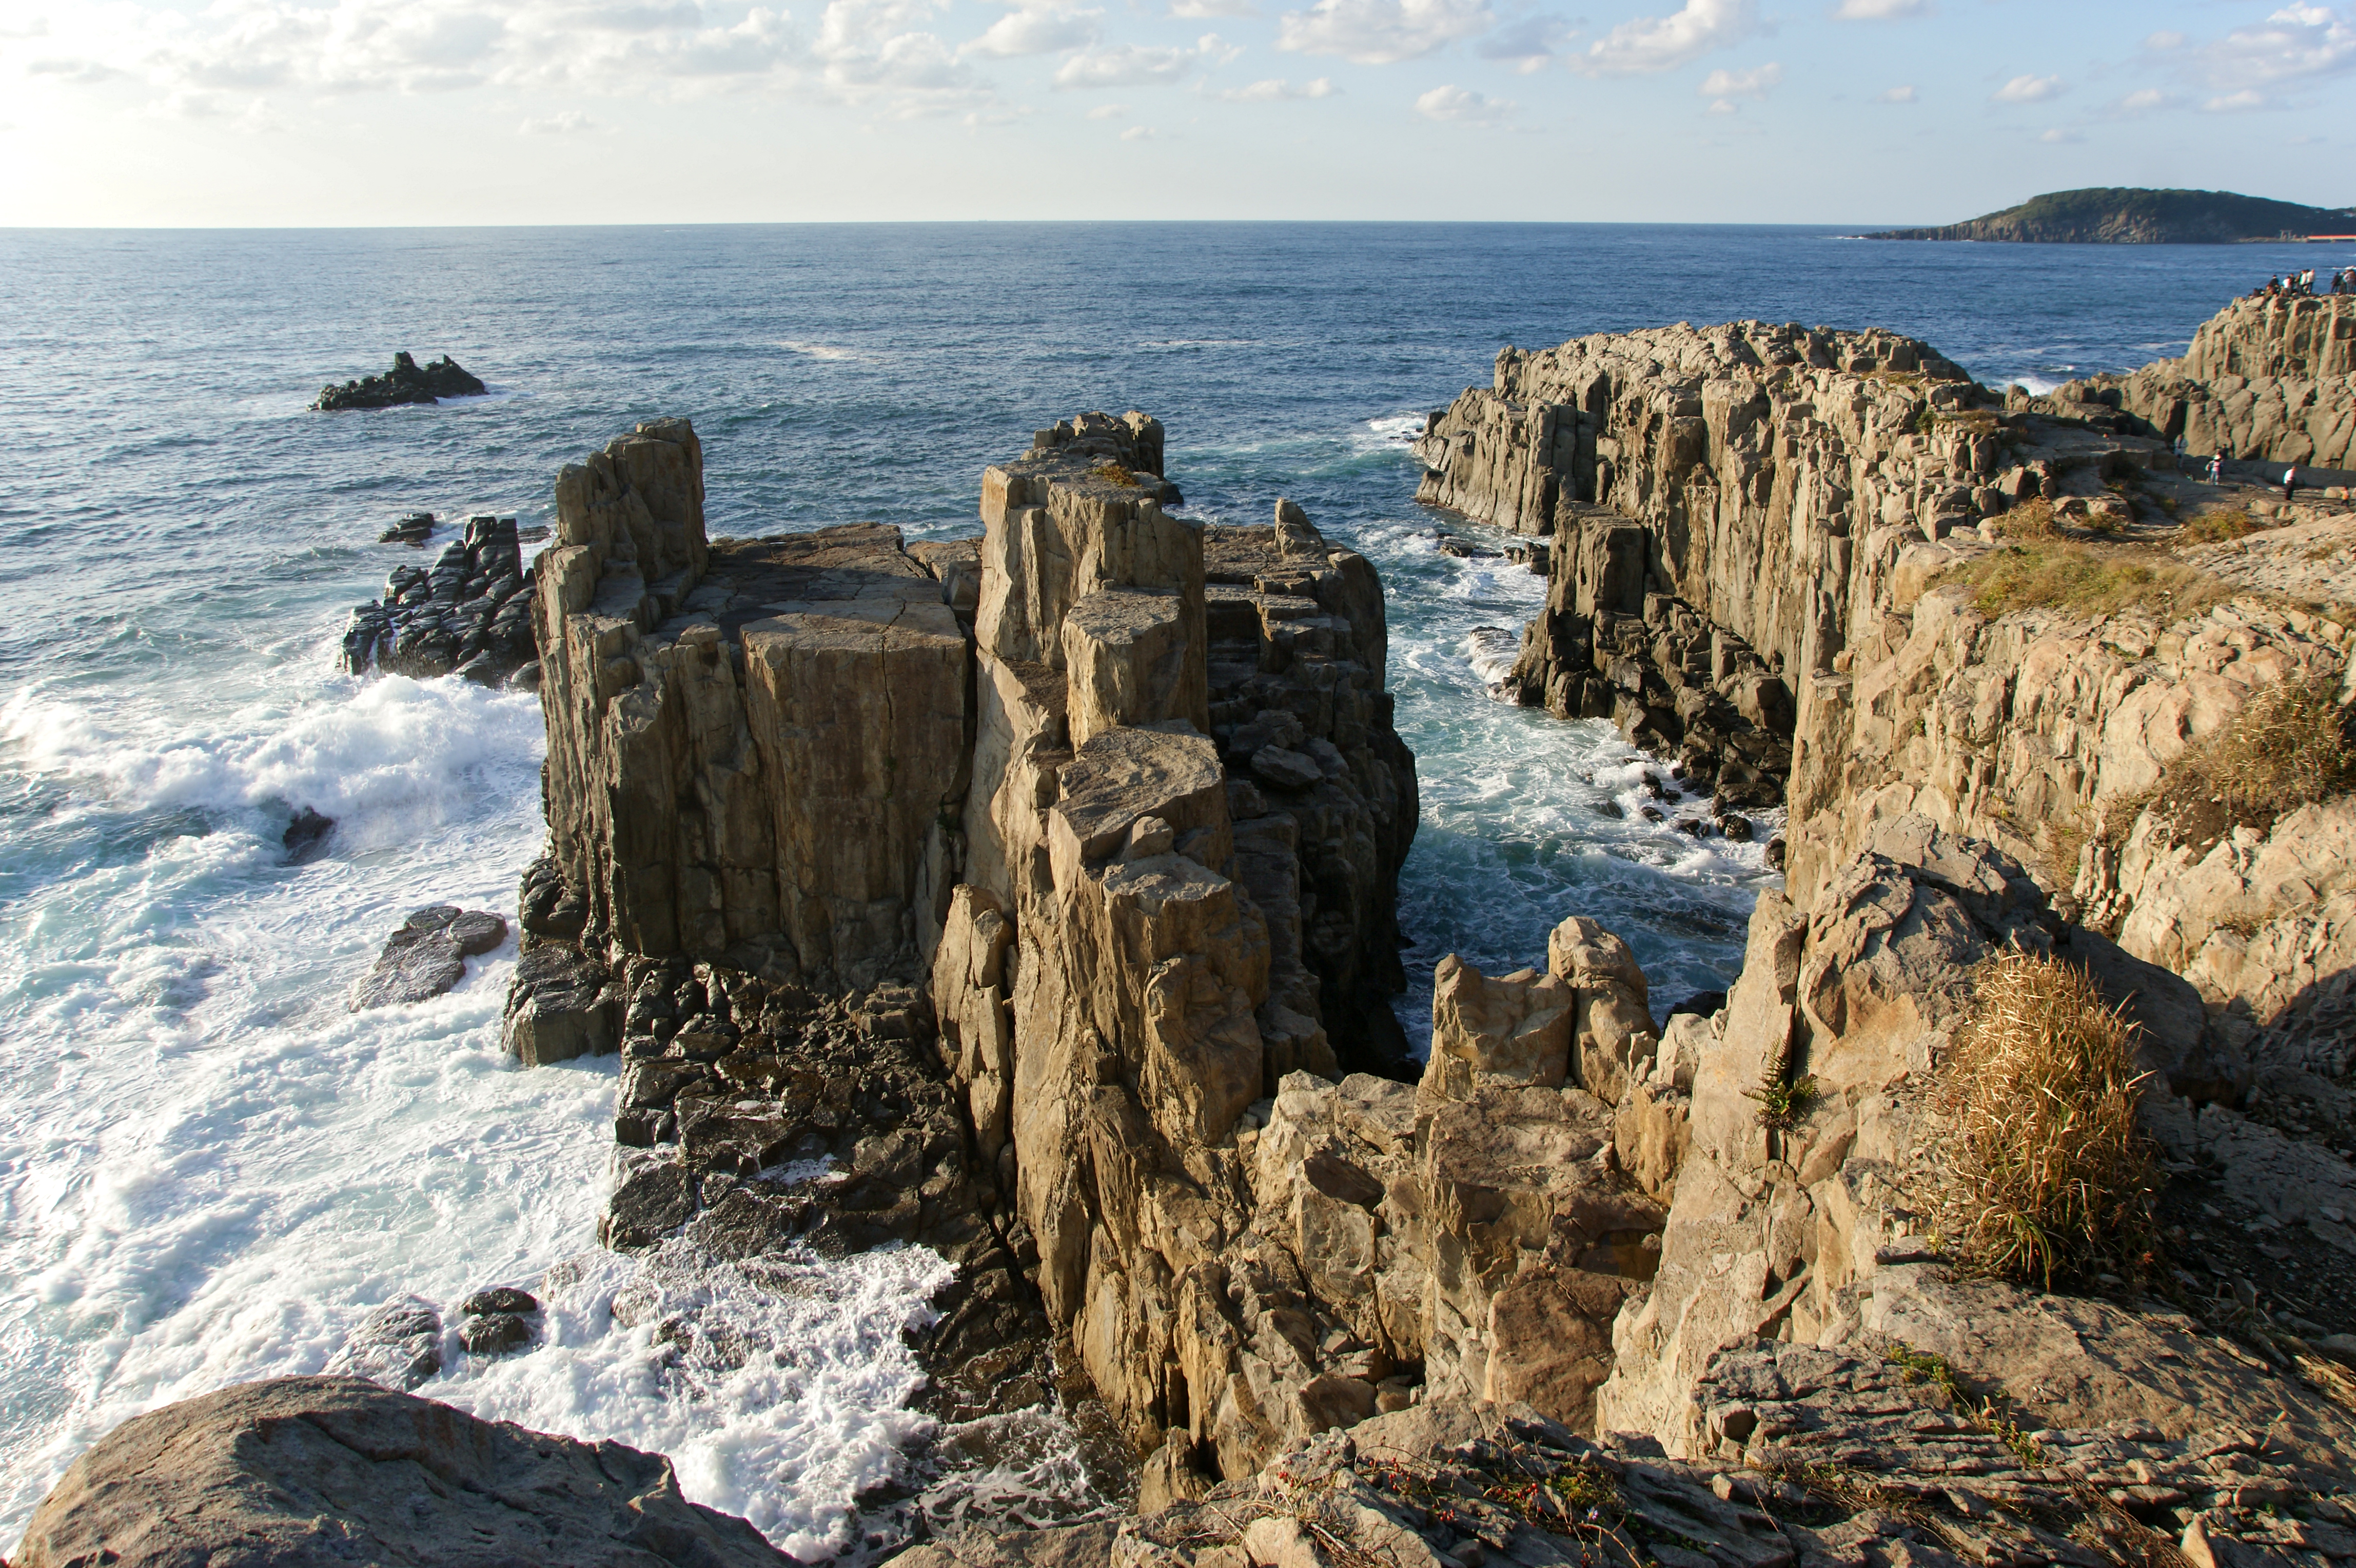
[1114, 473]
[2054, 575]
[2215, 527]
[2290, 747]
[2047, 1177]
[2031, 519]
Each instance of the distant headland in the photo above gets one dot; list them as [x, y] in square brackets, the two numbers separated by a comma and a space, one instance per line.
[2134, 216]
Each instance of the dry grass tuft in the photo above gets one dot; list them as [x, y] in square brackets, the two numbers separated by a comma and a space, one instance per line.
[2215, 527]
[2028, 520]
[2085, 582]
[1114, 473]
[2290, 747]
[2047, 1177]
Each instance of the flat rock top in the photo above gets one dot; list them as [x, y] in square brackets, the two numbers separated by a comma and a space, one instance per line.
[748, 579]
[298, 1471]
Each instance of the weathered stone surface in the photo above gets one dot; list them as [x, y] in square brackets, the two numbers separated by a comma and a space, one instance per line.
[754, 748]
[332, 1469]
[561, 1005]
[427, 955]
[405, 383]
[2269, 379]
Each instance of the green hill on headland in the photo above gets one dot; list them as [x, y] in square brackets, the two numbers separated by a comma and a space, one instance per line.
[2131, 217]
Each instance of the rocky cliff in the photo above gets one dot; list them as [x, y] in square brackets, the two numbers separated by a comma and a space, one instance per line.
[1005, 876]
[2273, 380]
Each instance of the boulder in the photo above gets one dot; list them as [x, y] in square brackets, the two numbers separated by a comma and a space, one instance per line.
[332, 1469]
[561, 1005]
[427, 955]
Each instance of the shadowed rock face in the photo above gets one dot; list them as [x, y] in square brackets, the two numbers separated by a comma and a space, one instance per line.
[317, 1470]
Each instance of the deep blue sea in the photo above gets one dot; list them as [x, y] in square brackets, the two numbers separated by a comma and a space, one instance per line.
[209, 1170]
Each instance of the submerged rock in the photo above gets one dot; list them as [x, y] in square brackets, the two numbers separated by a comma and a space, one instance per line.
[414, 527]
[427, 955]
[306, 837]
[330, 1469]
[399, 1344]
[405, 383]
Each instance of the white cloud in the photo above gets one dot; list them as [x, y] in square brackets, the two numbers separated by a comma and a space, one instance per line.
[1140, 133]
[1528, 45]
[1278, 91]
[1207, 10]
[1756, 83]
[2235, 102]
[1663, 43]
[1141, 65]
[2160, 43]
[1880, 10]
[2061, 135]
[1464, 106]
[878, 52]
[2029, 89]
[2142, 101]
[1381, 32]
[1898, 95]
[2299, 42]
[1026, 30]
[1108, 111]
[569, 123]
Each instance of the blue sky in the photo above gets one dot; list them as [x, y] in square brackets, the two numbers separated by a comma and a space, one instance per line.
[1849, 112]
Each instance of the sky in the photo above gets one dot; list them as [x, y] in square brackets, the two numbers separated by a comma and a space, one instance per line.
[335, 112]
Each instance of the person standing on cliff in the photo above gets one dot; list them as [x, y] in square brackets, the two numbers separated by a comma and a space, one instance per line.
[2216, 467]
[2291, 480]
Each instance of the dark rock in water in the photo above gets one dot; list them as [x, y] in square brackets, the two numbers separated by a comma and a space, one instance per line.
[494, 1332]
[532, 535]
[405, 383]
[1776, 854]
[470, 612]
[306, 836]
[414, 529]
[427, 955]
[1704, 1003]
[1652, 813]
[499, 1298]
[1693, 827]
[334, 1470]
[562, 1004]
[1735, 826]
[1611, 809]
[399, 1344]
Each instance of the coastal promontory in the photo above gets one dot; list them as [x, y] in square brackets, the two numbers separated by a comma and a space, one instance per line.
[2129, 216]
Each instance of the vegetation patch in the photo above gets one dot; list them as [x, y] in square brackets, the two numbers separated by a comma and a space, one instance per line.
[2046, 1177]
[1114, 473]
[2216, 527]
[1783, 1105]
[2029, 519]
[2060, 576]
[2290, 747]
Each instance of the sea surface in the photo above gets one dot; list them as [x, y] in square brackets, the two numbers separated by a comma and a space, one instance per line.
[209, 1169]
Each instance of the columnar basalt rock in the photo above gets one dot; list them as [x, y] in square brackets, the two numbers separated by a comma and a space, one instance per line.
[471, 612]
[2271, 379]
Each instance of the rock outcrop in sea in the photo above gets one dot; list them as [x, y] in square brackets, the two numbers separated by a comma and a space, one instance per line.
[470, 612]
[405, 383]
[2271, 379]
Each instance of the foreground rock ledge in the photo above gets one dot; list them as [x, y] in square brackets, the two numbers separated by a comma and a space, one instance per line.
[337, 1470]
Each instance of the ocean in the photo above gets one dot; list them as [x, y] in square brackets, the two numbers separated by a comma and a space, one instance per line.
[209, 1170]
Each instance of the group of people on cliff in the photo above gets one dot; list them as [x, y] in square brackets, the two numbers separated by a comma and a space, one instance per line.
[2301, 286]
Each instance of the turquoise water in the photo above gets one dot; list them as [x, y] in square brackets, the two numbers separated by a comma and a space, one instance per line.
[208, 1169]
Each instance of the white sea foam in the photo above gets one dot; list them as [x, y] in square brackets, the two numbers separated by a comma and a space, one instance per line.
[831, 353]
